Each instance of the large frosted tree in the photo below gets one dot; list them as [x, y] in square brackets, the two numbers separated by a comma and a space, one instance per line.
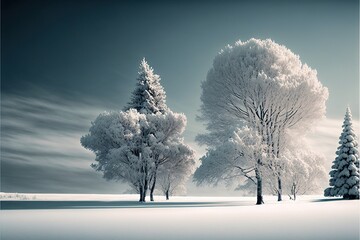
[344, 176]
[263, 85]
[131, 145]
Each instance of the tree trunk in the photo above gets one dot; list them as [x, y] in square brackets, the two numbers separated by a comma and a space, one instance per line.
[279, 189]
[143, 182]
[152, 189]
[294, 191]
[141, 194]
[259, 197]
[145, 190]
[167, 194]
[280, 134]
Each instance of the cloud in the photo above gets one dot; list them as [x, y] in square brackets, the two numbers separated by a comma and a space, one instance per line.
[40, 146]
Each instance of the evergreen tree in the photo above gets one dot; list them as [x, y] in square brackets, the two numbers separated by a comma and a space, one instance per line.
[148, 96]
[344, 176]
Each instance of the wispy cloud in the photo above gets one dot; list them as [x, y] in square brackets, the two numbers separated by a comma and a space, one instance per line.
[40, 146]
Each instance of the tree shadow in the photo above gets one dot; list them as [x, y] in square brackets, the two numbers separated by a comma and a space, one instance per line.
[23, 205]
[329, 200]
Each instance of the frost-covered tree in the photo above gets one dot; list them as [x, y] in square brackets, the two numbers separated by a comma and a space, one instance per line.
[119, 141]
[169, 183]
[174, 177]
[304, 170]
[344, 176]
[167, 146]
[265, 86]
[239, 156]
[129, 145]
[148, 96]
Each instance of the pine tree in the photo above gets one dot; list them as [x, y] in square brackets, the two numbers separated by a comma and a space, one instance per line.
[148, 96]
[344, 176]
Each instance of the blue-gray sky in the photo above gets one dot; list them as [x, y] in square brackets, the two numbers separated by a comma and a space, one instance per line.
[63, 62]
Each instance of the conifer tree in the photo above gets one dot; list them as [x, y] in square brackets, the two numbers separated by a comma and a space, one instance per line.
[344, 176]
[149, 96]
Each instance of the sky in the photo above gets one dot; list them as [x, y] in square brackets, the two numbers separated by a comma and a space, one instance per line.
[64, 62]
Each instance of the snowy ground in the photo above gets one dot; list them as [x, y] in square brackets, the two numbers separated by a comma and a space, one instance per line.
[65, 216]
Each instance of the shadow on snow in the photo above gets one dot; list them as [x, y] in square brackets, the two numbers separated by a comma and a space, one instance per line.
[329, 199]
[19, 205]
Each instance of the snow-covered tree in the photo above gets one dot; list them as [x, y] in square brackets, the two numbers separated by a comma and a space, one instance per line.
[119, 141]
[265, 86]
[174, 177]
[240, 156]
[304, 170]
[168, 147]
[129, 146]
[148, 96]
[169, 183]
[344, 176]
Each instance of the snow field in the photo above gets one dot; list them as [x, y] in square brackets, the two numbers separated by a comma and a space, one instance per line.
[311, 217]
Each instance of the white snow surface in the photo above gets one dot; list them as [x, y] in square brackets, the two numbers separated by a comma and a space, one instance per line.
[122, 217]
